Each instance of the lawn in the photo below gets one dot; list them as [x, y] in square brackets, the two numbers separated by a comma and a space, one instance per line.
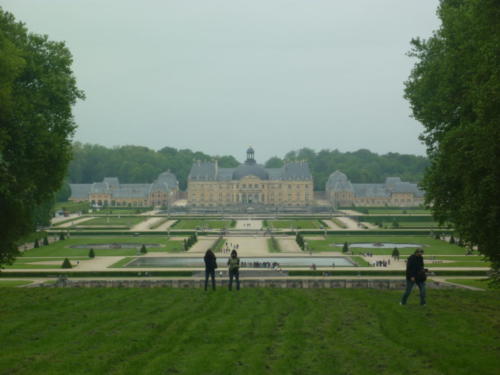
[478, 283]
[398, 211]
[127, 221]
[360, 261]
[430, 245]
[12, 284]
[416, 224]
[459, 264]
[31, 263]
[253, 331]
[62, 248]
[122, 262]
[203, 224]
[296, 224]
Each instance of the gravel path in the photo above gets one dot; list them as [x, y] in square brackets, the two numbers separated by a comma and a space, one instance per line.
[332, 225]
[288, 245]
[165, 225]
[248, 224]
[145, 224]
[74, 222]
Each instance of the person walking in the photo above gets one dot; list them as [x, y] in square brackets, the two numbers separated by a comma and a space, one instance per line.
[234, 270]
[415, 274]
[210, 266]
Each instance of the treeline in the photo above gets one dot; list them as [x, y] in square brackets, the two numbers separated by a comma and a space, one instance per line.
[137, 164]
[362, 166]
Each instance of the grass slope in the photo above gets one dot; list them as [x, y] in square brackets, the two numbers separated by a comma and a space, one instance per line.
[254, 331]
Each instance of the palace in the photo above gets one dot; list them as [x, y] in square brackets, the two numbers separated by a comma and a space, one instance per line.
[250, 184]
[394, 193]
[162, 192]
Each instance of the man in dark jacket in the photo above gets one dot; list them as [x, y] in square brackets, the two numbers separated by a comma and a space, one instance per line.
[415, 274]
[210, 266]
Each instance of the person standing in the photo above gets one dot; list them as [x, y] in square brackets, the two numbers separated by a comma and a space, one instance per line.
[234, 270]
[210, 266]
[415, 274]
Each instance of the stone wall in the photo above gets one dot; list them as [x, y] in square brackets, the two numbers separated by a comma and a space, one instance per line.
[247, 283]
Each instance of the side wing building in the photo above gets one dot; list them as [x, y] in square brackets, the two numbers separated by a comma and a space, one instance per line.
[394, 193]
[163, 191]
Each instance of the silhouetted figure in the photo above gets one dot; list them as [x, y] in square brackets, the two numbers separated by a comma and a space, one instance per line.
[210, 266]
[415, 274]
[234, 270]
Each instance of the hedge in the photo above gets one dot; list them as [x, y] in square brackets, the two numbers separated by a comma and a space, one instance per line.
[97, 274]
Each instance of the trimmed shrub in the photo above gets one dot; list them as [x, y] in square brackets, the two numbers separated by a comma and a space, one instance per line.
[452, 239]
[91, 253]
[143, 249]
[345, 248]
[66, 263]
[61, 236]
[395, 253]
[45, 241]
[300, 240]
[36, 244]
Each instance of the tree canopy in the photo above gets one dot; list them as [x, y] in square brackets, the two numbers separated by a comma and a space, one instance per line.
[454, 91]
[137, 164]
[37, 91]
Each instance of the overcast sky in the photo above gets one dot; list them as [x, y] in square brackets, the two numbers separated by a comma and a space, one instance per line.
[220, 75]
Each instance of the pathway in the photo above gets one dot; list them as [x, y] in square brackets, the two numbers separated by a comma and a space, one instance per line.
[202, 245]
[165, 226]
[288, 245]
[145, 224]
[249, 246]
[58, 219]
[349, 223]
[248, 224]
[332, 225]
[75, 222]
[149, 213]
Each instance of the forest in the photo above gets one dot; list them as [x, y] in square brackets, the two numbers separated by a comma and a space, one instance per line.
[138, 164]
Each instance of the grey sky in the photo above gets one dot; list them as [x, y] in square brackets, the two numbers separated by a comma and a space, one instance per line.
[219, 75]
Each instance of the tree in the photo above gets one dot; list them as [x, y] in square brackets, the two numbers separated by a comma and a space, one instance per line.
[452, 239]
[274, 162]
[37, 91]
[66, 263]
[61, 236]
[36, 244]
[143, 249]
[45, 241]
[453, 91]
[91, 253]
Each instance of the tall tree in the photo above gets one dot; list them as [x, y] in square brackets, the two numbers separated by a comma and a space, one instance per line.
[37, 91]
[454, 91]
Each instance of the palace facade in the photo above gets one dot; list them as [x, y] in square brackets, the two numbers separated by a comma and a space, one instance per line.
[249, 184]
[162, 192]
[393, 193]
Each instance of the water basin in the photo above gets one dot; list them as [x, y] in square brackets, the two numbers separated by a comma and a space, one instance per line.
[379, 245]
